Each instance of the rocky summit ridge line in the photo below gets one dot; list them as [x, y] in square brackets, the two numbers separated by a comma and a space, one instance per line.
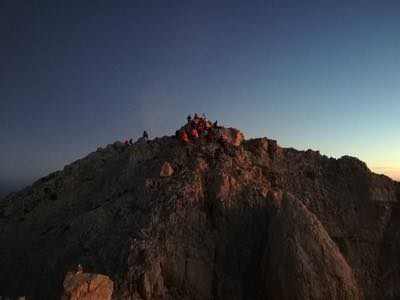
[167, 220]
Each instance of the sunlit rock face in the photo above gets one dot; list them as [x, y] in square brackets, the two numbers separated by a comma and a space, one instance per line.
[206, 220]
[87, 286]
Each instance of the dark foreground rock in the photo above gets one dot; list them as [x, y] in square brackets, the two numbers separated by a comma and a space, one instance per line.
[253, 221]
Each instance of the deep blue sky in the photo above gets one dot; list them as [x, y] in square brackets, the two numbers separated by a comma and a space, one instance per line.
[75, 75]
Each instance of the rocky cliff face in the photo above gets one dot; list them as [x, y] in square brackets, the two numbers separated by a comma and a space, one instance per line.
[206, 221]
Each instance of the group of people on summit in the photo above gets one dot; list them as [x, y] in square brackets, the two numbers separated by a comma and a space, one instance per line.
[144, 138]
[199, 127]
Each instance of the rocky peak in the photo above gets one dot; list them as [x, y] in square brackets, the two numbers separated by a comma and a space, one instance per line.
[209, 219]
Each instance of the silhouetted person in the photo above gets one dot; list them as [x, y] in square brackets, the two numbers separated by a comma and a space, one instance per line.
[145, 135]
[189, 119]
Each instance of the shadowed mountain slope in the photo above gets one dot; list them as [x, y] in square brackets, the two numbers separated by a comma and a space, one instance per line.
[254, 221]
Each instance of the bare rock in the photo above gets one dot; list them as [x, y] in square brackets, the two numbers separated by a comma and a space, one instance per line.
[166, 170]
[232, 136]
[86, 286]
[245, 220]
[237, 137]
[307, 263]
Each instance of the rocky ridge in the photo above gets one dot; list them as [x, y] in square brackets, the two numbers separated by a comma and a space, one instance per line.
[206, 221]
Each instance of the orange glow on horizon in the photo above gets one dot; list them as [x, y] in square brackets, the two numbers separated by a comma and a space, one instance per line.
[392, 172]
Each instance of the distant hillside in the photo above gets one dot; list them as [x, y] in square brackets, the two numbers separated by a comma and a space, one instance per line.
[2, 193]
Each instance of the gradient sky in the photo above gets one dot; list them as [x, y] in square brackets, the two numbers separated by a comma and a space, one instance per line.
[75, 75]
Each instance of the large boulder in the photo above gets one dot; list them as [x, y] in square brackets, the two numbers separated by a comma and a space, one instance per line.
[307, 263]
[231, 136]
[166, 170]
[87, 286]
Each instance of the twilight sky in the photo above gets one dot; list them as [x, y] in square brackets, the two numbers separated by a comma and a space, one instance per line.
[75, 75]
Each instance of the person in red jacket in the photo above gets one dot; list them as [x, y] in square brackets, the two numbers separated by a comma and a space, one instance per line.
[194, 133]
[183, 137]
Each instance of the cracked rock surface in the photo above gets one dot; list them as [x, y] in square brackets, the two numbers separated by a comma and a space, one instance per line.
[254, 221]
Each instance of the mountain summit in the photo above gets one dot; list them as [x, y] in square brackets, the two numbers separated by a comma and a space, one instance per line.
[166, 219]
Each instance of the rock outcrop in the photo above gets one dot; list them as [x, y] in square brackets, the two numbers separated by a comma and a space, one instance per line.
[166, 170]
[86, 286]
[246, 220]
